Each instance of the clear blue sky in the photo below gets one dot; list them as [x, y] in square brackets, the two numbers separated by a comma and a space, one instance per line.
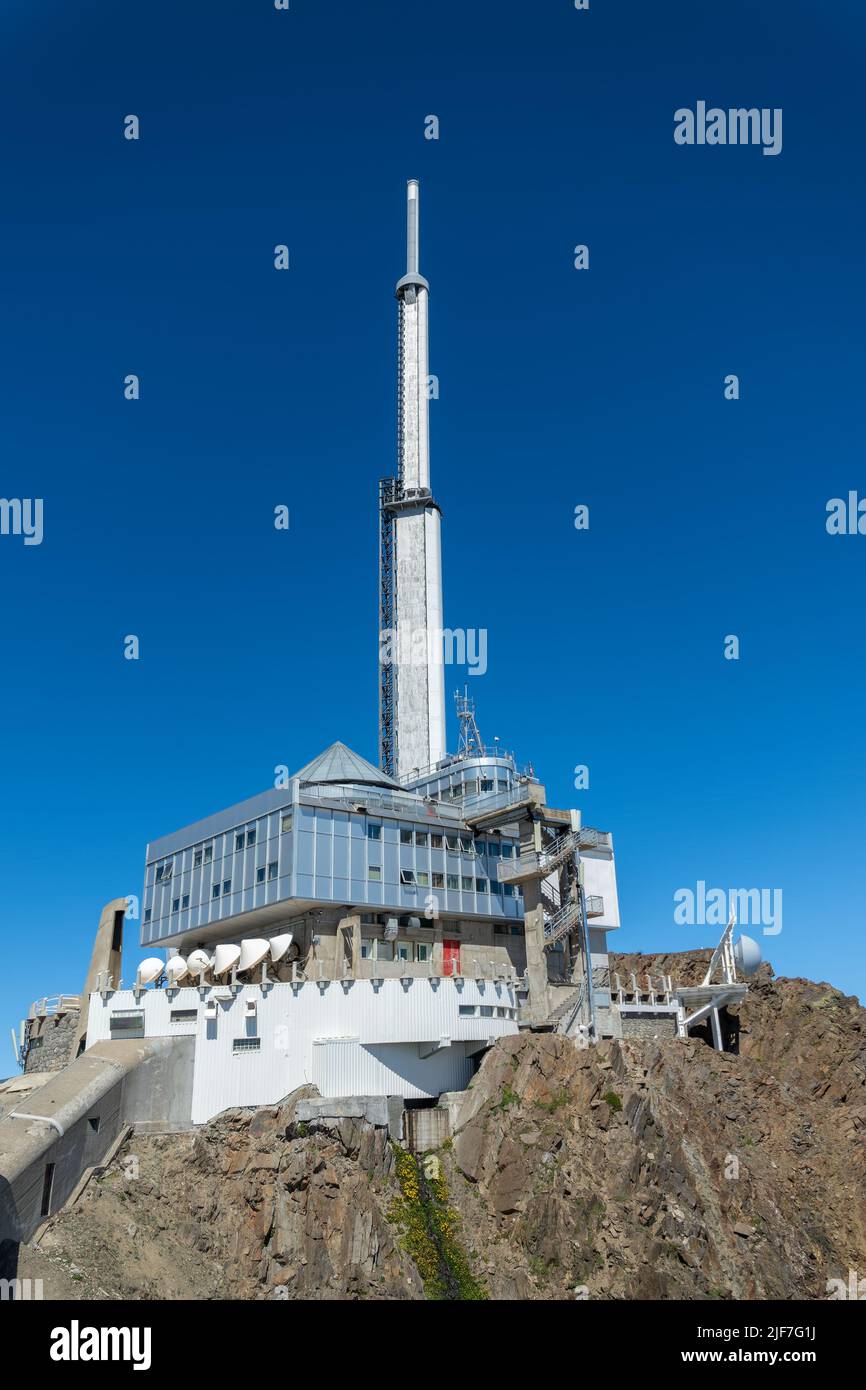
[557, 387]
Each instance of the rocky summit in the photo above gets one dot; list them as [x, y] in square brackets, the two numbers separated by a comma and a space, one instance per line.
[630, 1170]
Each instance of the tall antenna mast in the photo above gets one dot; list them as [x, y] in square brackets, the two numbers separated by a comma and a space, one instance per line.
[411, 658]
[470, 743]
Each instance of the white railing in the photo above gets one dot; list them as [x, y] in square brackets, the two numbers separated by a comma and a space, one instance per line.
[54, 1004]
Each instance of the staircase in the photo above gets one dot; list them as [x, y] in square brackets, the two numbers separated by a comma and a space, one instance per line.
[557, 925]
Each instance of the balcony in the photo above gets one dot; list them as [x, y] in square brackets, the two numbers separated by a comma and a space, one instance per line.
[594, 907]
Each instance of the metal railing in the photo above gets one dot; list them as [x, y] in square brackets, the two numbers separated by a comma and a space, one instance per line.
[54, 1004]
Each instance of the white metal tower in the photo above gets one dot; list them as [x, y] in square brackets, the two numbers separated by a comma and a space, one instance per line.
[411, 647]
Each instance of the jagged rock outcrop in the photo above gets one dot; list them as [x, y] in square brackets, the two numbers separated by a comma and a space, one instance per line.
[252, 1205]
[629, 1170]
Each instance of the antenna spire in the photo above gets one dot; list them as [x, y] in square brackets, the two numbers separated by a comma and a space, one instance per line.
[412, 226]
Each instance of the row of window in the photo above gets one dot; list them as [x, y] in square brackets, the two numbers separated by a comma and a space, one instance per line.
[485, 1011]
[182, 903]
[374, 948]
[203, 854]
[417, 878]
[457, 843]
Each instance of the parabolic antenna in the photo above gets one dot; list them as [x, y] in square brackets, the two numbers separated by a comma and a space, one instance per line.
[747, 954]
[149, 970]
[175, 969]
[279, 945]
[253, 953]
[224, 958]
[198, 962]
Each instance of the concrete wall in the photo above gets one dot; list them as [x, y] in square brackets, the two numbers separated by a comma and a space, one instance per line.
[72, 1122]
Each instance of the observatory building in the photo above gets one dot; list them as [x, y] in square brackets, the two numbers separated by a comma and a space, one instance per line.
[372, 930]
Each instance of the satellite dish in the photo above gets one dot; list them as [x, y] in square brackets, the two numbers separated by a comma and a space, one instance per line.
[149, 970]
[747, 954]
[279, 945]
[253, 953]
[224, 958]
[176, 969]
[199, 962]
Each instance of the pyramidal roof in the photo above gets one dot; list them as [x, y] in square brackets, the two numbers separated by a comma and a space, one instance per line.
[339, 764]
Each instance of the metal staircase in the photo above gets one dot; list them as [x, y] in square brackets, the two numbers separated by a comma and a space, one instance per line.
[558, 924]
[539, 862]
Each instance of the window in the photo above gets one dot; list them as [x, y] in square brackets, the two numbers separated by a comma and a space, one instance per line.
[466, 884]
[246, 1045]
[452, 880]
[208, 853]
[227, 886]
[420, 837]
[501, 1013]
[501, 786]
[508, 890]
[93, 1123]
[486, 1010]
[479, 846]
[436, 841]
[471, 787]
[481, 885]
[496, 886]
[147, 914]
[251, 837]
[185, 901]
[47, 1185]
[507, 850]
[196, 859]
[451, 842]
[422, 879]
[239, 842]
[286, 823]
[175, 904]
[127, 1023]
[494, 849]
[465, 844]
[407, 876]
[215, 891]
[466, 1010]
[373, 948]
[374, 832]
[374, 873]
[486, 784]
[260, 874]
[422, 951]
[184, 1015]
[273, 869]
[438, 880]
[405, 837]
[403, 950]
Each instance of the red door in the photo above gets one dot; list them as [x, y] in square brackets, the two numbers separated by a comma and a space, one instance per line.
[451, 957]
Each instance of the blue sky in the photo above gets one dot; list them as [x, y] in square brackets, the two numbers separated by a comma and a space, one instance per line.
[558, 387]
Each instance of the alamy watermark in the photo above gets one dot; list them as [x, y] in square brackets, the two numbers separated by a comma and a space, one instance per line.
[736, 126]
[405, 645]
[701, 906]
[22, 516]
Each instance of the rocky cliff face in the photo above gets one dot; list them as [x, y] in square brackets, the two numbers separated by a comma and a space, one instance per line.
[630, 1170]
